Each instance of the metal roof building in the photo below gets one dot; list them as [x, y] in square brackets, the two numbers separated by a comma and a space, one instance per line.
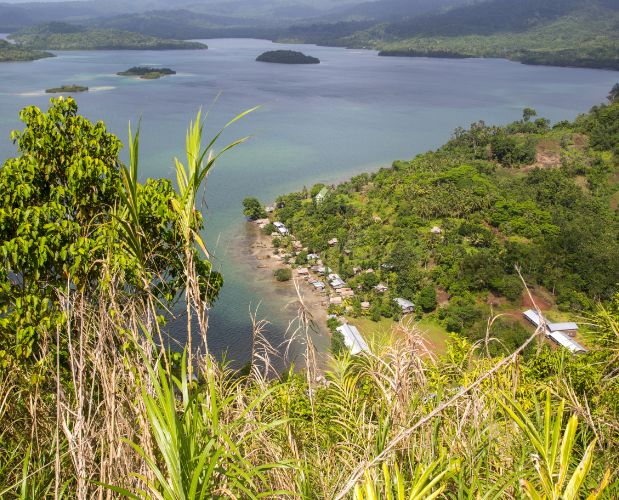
[353, 339]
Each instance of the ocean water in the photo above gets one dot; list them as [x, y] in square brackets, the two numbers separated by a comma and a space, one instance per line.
[352, 113]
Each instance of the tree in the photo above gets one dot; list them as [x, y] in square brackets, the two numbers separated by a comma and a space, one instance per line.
[613, 96]
[426, 299]
[527, 114]
[67, 207]
[253, 209]
[283, 274]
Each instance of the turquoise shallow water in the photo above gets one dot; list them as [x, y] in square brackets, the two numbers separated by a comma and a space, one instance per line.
[354, 112]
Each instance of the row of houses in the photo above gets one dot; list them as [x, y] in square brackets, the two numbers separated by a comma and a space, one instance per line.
[557, 332]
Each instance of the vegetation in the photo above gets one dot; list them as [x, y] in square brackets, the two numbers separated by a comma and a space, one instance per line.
[553, 32]
[63, 36]
[283, 274]
[11, 52]
[465, 220]
[67, 89]
[287, 57]
[253, 209]
[146, 72]
[95, 404]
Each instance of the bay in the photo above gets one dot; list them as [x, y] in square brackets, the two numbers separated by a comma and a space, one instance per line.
[318, 123]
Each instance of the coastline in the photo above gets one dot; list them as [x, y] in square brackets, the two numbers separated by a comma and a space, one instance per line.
[266, 262]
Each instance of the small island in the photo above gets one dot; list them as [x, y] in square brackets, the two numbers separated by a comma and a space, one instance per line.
[147, 73]
[69, 89]
[287, 57]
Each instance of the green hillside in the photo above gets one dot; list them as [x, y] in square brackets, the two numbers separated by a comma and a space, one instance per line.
[459, 222]
[63, 36]
[555, 32]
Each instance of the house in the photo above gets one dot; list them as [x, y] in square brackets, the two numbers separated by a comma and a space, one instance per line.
[345, 292]
[365, 306]
[313, 256]
[536, 320]
[436, 230]
[381, 288]
[556, 331]
[564, 340]
[370, 270]
[262, 223]
[319, 285]
[297, 245]
[353, 339]
[303, 271]
[336, 282]
[335, 301]
[320, 197]
[269, 209]
[332, 242]
[406, 306]
[281, 228]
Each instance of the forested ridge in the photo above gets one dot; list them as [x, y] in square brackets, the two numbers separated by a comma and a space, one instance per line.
[93, 403]
[65, 36]
[10, 52]
[554, 32]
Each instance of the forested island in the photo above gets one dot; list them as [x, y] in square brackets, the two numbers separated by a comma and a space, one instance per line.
[287, 57]
[147, 73]
[65, 36]
[70, 89]
[11, 52]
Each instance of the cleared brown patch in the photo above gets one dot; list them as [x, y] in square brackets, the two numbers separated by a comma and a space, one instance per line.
[442, 297]
[495, 300]
[580, 141]
[541, 299]
[548, 155]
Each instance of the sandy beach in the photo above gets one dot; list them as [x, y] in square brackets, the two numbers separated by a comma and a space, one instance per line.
[315, 303]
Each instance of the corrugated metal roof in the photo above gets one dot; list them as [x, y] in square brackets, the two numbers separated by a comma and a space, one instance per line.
[353, 339]
[566, 341]
[569, 326]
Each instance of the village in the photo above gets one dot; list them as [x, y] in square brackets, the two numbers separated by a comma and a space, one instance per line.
[337, 295]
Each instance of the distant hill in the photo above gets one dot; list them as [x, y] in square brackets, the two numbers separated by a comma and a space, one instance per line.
[555, 32]
[185, 24]
[63, 36]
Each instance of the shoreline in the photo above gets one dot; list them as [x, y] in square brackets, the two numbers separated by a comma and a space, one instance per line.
[262, 251]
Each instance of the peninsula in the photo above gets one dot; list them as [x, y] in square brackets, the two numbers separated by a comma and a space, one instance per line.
[287, 57]
[64, 36]
[10, 52]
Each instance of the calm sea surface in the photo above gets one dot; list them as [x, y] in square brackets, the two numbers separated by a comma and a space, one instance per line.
[319, 123]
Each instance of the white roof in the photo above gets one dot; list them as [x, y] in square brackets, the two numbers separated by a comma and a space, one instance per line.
[318, 284]
[566, 341]
[353, 339]
[569, 326]
[278, 224]
[536, 319]
[404, 304]
[533, 317]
